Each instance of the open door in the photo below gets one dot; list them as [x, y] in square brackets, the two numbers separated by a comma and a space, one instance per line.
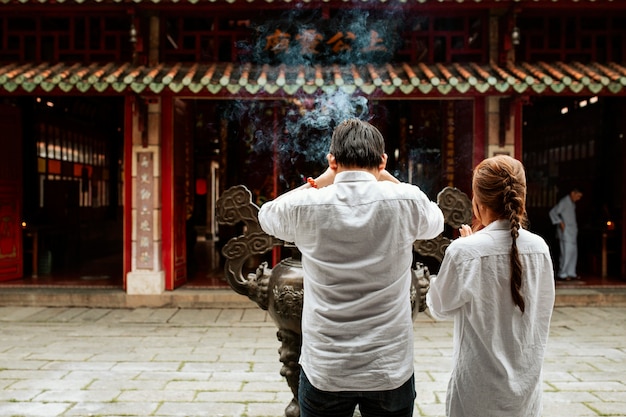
[11, 251]
[177, 189]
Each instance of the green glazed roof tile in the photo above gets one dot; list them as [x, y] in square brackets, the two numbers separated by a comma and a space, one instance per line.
[248, 80]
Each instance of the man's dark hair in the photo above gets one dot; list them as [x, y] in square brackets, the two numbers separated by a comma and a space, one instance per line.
[356, 143]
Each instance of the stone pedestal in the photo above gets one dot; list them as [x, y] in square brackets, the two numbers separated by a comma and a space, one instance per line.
[145, 282]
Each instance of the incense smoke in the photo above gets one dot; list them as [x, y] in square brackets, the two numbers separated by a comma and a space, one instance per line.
[299, 137]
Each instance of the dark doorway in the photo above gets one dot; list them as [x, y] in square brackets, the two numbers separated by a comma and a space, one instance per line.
[72, 197]
[273, 146]
[578, 142]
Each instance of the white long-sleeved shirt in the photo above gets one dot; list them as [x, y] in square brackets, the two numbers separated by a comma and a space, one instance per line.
[356, 239]
[498, 351]
[565, 211]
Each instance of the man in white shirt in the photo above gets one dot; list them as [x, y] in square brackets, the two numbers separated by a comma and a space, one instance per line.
[355, 226]
[563, 215]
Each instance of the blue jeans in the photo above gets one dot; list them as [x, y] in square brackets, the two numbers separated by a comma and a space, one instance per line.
[398, 402]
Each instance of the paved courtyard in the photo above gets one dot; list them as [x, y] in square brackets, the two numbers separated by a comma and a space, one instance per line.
[57, 361]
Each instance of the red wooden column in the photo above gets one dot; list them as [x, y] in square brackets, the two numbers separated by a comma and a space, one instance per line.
[129, 103]
[11, 252]
[167, 186]
[480, 120]
[623, 226]
[276, 252]
[175, 189]
[517, 127]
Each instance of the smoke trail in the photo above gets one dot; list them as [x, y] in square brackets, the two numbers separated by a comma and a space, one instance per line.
[309, 130]
[303, 36]
[305, 130]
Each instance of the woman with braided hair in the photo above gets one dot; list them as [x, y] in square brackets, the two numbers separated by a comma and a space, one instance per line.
[497, 283]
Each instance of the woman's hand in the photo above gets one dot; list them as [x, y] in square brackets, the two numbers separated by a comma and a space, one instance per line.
[465, 230]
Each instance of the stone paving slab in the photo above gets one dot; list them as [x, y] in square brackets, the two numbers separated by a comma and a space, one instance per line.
[80, 361]
[64, 296]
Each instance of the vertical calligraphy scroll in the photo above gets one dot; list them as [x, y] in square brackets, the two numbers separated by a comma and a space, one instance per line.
[145, 210]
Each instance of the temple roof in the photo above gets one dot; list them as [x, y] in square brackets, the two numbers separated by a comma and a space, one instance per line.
[228, 80]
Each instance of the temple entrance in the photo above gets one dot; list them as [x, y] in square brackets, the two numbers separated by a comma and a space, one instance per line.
[573, 142]
[72, 191]
[273, 146]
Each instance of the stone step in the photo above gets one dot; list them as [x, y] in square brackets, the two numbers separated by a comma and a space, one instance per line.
[226, 298]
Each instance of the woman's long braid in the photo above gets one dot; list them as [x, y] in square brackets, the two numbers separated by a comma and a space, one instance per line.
[514, 209]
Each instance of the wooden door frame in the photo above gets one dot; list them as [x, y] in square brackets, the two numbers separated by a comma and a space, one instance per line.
[167, 187]
[174, 237]
[129, 104]
[12, 266]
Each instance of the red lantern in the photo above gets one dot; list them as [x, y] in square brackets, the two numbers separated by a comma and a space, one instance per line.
[200, 186]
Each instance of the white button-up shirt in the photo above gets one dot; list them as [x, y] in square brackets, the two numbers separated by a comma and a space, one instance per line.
[565, 211]
[498, 351]
[356, 239]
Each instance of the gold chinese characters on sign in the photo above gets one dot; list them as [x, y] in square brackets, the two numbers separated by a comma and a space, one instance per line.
[312, 42]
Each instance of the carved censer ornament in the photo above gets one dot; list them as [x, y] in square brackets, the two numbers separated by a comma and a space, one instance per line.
[280, 291]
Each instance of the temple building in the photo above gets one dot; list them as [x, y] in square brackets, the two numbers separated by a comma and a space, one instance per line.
[123, 121]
